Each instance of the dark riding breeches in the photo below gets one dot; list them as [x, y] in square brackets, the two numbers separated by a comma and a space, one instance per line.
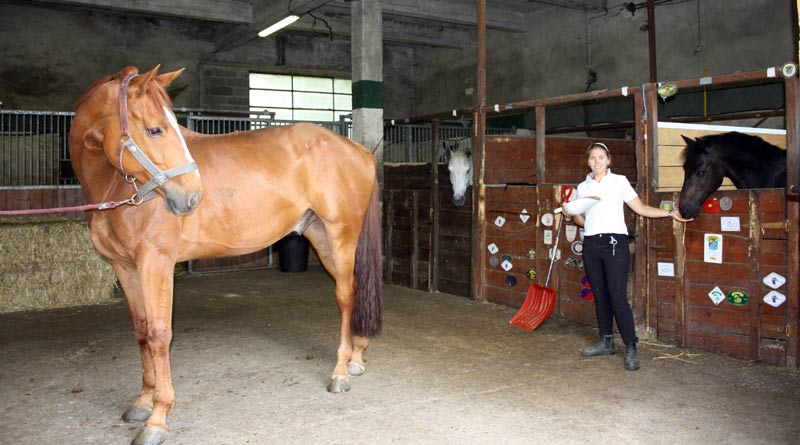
[607, 259]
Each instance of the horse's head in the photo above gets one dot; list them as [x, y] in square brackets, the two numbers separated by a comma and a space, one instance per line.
[129, 117]
[703, 174]
[460, 167]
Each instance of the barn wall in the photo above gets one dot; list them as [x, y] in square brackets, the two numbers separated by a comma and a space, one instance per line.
[48, 66]
[552, 58]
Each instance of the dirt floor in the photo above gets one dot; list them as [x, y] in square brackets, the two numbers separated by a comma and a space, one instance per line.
[253, 351]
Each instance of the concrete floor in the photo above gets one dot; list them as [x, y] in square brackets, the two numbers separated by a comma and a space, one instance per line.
[253, 351]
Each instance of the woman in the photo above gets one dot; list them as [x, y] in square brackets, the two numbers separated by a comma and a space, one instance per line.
[606, 255]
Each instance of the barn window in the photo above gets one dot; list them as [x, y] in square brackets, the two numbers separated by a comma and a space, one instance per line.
[302, 98]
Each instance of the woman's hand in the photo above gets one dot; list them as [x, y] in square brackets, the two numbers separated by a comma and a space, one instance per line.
[564, 210]
[676, 215]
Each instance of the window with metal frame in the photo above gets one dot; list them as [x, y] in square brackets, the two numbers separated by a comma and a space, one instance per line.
[301, 98]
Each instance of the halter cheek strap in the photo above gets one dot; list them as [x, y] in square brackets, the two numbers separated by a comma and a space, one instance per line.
[126, 141]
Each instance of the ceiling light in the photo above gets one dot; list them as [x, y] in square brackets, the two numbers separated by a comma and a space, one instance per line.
[280, 25]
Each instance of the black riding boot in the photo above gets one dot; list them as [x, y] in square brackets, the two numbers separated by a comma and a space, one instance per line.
[603, 347]
[631, 357]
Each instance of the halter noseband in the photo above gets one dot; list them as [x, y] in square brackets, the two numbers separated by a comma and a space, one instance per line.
[126, 142]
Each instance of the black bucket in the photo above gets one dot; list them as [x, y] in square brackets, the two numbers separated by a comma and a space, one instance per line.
[293, 253]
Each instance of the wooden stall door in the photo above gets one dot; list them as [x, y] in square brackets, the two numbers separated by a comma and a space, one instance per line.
[721, 307]
[455, 238]
[407, 225]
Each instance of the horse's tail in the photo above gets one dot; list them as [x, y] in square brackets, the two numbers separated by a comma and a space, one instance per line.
[366, 319]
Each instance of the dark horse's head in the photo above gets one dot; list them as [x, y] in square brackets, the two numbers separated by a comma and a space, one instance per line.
[749, 161]
[703, 172]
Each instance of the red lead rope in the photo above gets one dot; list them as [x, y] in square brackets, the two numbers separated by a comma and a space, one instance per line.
[102, 206]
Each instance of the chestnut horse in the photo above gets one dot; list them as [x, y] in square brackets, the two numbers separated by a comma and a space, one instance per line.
[205, 196]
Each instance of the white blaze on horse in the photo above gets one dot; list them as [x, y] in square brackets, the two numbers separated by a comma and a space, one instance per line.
[749, 161]
[206, 196]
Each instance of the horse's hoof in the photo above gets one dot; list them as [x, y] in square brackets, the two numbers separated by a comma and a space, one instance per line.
[339, 384]
[355, 369]
[150, 436]
[136, 414]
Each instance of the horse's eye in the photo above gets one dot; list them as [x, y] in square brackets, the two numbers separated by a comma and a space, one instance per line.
[155, 131]
[701, 173]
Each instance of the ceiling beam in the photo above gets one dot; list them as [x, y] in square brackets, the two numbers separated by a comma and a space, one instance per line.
[457, 12]
[269, 13]
[394, 31]
[223, 11]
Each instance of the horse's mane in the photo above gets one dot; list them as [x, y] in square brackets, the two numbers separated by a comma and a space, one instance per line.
[734, 143]
[155, 91]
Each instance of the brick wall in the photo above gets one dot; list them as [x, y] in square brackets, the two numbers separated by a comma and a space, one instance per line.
[224, 88]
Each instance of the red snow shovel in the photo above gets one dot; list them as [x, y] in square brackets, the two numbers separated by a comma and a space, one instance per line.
[541, 300]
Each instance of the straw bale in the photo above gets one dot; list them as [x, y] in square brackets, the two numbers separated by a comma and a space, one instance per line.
[51, 263]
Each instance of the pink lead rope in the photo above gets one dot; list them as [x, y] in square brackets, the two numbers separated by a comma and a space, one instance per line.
[102, 206]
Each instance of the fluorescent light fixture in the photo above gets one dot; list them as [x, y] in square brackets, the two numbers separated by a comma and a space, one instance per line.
[280, 25]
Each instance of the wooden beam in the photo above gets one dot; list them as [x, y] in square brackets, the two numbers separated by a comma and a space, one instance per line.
[433, 256]
[792, 92]
[479, 188]
[224, 11]
[651, 40]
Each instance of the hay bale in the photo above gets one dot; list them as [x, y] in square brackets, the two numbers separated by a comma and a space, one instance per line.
[51, 263]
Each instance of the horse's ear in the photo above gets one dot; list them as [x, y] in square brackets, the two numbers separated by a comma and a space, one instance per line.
[146, 78]
[687, 140]
[167, 78]
[93, 139]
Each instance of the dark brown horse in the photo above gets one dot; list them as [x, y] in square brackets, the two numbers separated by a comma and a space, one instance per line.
[200, 196]
[749, 161]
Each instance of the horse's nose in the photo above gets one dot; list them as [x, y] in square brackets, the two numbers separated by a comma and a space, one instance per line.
[458, 201]
[687, 211]
[194, 200]
[180, 204]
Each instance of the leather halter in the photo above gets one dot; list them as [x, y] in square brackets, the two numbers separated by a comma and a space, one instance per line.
[126, 141]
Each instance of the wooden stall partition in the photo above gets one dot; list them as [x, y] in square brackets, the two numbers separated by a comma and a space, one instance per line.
[513, 186]
[406, 210]
[410, 249]
[511, 227]
[41, 197]
[565, 159]
[728, 306]
[568, 268]
[454, 239]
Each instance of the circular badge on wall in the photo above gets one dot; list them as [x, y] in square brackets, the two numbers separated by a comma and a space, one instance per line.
[725, 203]
[494, 261]
[737, 298]
[511, 280]
[547, 219]
[577, 247]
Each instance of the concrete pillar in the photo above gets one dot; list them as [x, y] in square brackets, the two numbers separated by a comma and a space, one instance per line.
[367, 62]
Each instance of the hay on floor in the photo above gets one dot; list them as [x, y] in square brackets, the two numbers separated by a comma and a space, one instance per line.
[51, 263]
